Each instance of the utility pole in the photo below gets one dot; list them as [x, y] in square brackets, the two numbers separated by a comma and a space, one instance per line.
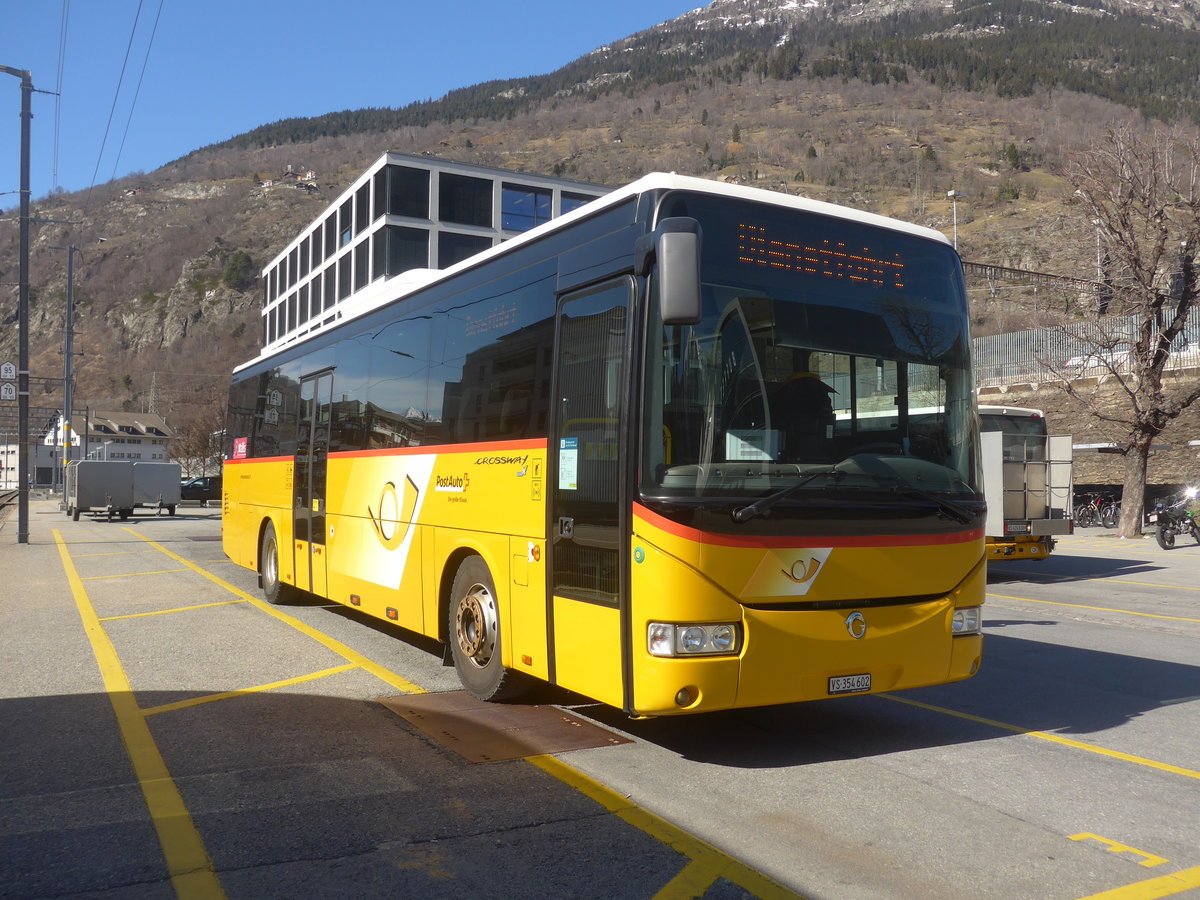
[23, 310]
[68, 360]
[954, 195]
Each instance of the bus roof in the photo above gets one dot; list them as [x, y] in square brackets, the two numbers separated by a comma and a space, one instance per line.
[409, 282]
[666, 181]
[1014, 411]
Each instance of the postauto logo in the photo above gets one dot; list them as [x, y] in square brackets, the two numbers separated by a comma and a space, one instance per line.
[455, 484]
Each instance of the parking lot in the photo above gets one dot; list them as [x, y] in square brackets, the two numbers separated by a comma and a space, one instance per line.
[168, 733]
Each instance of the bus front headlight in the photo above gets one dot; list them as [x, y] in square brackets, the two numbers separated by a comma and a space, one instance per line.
[668, 639]
[967, 620]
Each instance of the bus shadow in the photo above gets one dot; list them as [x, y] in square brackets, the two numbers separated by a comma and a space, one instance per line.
[1092, 691]
[1068, 568]
[272, 781]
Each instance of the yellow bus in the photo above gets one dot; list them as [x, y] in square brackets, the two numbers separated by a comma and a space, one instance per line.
[605, 455]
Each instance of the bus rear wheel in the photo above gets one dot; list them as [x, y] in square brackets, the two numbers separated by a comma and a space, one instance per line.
[474, 635]
[273, 588]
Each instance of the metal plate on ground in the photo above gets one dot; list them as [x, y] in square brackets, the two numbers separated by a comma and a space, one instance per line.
[490, 732]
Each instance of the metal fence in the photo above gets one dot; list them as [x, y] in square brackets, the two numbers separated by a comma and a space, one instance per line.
[1081, 350]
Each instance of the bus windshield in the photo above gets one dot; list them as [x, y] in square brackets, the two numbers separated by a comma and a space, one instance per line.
[831, 367]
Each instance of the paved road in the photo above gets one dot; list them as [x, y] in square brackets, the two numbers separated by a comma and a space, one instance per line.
[1070, 766]
[167, 733]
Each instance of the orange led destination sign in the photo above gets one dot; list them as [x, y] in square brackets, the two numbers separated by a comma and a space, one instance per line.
[827, 258]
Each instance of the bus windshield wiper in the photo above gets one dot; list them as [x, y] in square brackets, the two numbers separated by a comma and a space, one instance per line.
[746, 513]
[949, 508]
[901, 485]
[955, 511]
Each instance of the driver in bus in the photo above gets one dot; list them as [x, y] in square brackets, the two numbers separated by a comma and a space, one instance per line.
[804, 409]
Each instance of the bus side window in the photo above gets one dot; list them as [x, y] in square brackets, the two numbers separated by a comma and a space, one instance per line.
[514, 412]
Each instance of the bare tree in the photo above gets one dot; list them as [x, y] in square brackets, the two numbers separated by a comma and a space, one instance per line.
[198, 441]
[1142, 193]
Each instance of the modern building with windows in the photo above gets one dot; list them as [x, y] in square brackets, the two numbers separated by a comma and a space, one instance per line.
[404, 214]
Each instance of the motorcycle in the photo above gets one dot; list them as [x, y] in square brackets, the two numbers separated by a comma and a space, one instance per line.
[1173, 518]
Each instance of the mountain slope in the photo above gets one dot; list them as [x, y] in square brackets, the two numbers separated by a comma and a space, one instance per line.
[1144, 57]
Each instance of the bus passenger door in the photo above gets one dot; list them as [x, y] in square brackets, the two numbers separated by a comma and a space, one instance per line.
[312, 451]
[588, 509]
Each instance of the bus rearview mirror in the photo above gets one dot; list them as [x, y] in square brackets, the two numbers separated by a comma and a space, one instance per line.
[677, 248]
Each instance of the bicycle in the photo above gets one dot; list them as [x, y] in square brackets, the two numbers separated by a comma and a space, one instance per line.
[1084, 510]
[1095, 508]
[1110, 512]
[1087, 507]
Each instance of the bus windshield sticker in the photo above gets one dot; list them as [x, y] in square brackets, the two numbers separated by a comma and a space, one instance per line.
[568, 463]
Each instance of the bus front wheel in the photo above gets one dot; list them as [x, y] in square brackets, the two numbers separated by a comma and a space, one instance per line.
[274, 589]
[474, 635]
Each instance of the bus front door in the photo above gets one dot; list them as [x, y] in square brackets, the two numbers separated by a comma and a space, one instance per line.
[312, 451]
[588, 517]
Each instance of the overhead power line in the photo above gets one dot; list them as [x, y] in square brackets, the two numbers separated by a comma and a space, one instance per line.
[116, 95]
[138, 89]
[62, 57]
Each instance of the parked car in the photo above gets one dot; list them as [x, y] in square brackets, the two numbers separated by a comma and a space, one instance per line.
[207, 487]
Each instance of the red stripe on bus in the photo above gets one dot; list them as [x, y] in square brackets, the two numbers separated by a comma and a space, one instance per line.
[759, 542]
[493, 447]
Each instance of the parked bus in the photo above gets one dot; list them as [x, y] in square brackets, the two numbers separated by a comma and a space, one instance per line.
[1028, 477]
[629, 453]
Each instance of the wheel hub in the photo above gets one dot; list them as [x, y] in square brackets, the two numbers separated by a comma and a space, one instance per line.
[475, 625]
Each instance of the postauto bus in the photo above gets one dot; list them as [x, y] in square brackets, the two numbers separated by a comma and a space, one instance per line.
[636, 452]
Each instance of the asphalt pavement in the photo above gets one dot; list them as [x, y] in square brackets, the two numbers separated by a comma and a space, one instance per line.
[168, 734]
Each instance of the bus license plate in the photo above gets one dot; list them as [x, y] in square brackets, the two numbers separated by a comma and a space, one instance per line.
[849, 684]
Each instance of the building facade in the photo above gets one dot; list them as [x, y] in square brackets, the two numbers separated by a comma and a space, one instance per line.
[141, 437]
[404, 214]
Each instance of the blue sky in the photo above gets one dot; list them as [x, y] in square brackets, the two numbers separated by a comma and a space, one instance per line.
[217, 68]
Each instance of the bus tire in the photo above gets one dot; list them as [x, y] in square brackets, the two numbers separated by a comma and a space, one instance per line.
[474, 635]
[274, 590]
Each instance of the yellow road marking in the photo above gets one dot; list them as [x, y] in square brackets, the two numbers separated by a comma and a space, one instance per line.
[133, 552]
[241, 692]
[188, 863]
[164, 612]
[708, 863]
[1174, 587]
[1058, 579]
[1149, 860]
[1127, 612]
[694, 879]
[1162, 886]
[1047, 736]
[380, 672]
[132, 574]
